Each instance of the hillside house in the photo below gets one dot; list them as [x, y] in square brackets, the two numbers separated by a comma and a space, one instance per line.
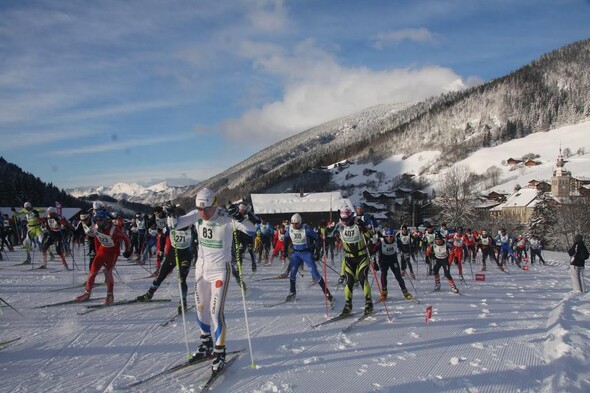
[518, 207]
[513, 161]
[531, 163]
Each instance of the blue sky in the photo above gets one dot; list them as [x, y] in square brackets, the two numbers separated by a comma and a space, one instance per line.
[97, 92]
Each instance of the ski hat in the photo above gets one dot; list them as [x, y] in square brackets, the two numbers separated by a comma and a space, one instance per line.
[83, 217]
[205, 198]
[388, 232]
[27, 205]
[97, 205]
[578, 238]
[102, 215]
[51, 210]
[296, 219]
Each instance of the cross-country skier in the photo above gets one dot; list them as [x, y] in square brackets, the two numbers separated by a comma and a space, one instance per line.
[306, 249]
[355, 238]
[53, 234]
[107, 242]
[215, 231]
[486, 245]
[33, 236]
[505, 240]
[429, 236]
[386, 249]
[536, 248]
[177, 245]
[440, 250]
[404, 246]
[457, 241]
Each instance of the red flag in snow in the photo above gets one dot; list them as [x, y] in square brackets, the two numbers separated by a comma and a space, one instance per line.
[428, 313]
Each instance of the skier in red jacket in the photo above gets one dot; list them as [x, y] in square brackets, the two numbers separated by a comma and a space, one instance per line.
[107, 240]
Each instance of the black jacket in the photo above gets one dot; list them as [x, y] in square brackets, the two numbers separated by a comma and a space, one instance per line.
[579, 254]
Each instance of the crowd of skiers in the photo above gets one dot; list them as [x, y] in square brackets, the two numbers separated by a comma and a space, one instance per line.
[217, 239]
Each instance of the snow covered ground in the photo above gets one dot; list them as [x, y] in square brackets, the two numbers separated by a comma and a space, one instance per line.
[518, 332]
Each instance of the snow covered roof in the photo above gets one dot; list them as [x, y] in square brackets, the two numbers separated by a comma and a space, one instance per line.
[521, 198]
[294, 203]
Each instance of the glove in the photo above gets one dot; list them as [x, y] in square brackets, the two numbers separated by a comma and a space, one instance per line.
[317, 255]
[235, 213]
[376, 266]
[127, 254]
[341, 279]
[170, 208]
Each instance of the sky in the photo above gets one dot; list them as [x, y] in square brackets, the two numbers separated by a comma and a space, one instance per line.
[519, 332]
[94, 93]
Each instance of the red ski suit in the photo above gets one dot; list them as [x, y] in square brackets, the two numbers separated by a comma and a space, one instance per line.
[107, 244]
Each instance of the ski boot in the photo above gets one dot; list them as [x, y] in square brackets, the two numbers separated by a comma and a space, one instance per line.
[219, 361]
[27, 261]
[291, 297]
[368, 308]
[83, 297]
[483, 269]
[412, 275]
[407, 295]
[205, 349]
[109, 299]
[454, 288]
[347, 308]
[383, 293]
[181, 305]
[403, 273]
[436, 282]
[330, 300]
[145, 298]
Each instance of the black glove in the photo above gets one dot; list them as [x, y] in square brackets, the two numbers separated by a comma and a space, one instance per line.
[235, 213]
[127, 254]
[376, 266]
[170, 209]
[317, 255]
[341, 279]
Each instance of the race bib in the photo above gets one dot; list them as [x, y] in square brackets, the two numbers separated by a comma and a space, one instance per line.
[211, 235]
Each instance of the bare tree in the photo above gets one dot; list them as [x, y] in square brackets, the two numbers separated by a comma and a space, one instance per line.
[572, 219]
[455, 196]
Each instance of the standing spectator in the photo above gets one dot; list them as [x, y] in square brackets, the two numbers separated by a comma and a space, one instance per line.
[579, 254]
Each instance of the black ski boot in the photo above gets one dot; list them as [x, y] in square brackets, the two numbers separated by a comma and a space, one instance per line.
[204, 350]
[219, 361]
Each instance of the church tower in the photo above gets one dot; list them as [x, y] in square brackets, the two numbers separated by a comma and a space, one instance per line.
[560, 182]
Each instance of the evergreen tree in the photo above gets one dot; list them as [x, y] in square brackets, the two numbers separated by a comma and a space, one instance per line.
[543, 219]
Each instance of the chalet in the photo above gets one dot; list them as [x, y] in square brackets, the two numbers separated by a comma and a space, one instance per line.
[539, 185]
[531, 163]
[518, 207]
[407, 176]
[513, 161]
[496, 196]
[379, 196]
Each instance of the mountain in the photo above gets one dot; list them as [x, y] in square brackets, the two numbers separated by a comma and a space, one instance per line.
[19, 187]
[550, 92]
[132, 192]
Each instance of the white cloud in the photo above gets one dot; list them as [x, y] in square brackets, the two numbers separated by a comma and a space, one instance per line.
[317, 89]
[394, 37]
[268, 15]
[122, 144]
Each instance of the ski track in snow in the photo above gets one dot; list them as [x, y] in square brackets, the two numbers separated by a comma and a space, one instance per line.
[518, 332]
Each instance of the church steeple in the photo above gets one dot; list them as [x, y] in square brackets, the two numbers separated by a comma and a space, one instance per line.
[560, 182]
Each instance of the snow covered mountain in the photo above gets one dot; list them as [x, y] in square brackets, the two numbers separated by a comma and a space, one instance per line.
[133, 192]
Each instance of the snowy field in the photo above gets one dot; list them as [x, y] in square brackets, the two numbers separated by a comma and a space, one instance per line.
[518, 332]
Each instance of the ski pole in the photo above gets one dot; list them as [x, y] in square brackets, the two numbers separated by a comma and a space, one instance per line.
[182, 310]
[471, 268]
[325, 276]
[377, 281]
[239, 262]
[5, 302]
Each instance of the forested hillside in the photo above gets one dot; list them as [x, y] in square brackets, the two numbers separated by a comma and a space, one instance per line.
[551, 91]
